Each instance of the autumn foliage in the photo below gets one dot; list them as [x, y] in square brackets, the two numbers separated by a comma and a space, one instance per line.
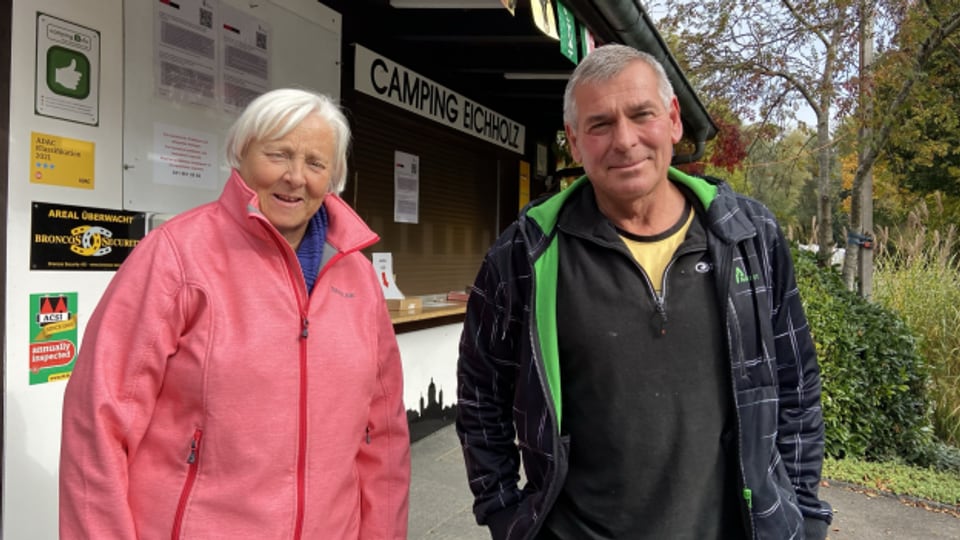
[727, 150]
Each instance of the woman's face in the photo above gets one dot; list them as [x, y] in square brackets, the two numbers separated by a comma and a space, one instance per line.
[291, 175]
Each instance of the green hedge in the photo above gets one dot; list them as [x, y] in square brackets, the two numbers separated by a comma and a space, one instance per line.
[875, 383]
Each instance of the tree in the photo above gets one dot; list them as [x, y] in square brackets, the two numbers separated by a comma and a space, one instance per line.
[926, 31]
[770, 60]
[924, 149]
[726, 151]
[729, 148]
[776, 171]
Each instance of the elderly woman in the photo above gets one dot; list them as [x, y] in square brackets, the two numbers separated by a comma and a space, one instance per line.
[240, 377]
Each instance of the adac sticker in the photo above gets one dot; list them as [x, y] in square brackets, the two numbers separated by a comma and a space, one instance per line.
[53, 336]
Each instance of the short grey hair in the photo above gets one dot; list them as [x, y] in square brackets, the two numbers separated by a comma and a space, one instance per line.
[276, 113]
[605, 63]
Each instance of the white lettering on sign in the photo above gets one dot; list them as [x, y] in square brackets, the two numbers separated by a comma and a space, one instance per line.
[388, 81]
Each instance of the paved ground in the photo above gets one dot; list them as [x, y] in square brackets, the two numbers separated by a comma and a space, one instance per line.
[440, 503]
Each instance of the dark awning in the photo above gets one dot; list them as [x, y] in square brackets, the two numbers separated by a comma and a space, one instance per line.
[625, 21]
[503, 61]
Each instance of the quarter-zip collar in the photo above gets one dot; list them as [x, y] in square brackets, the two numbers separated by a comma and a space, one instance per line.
[716, 199]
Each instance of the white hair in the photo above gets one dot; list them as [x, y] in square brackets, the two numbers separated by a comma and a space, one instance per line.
[605, 63]
[276, 113]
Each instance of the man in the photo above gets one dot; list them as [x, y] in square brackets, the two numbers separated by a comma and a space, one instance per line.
[640, 338]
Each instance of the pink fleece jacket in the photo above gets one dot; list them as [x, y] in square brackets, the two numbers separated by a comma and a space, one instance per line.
[213, 398]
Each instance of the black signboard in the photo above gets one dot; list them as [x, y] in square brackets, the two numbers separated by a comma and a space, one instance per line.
[78, 238]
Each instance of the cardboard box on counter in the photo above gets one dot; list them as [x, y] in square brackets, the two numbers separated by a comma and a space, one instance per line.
[410, 304]
[458, 296]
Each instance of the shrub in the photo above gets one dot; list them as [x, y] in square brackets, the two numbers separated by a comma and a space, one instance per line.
[928, 297]
[875, 383]
[918, 276]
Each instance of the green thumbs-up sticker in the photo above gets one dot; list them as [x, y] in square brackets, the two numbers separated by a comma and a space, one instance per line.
[68, 72]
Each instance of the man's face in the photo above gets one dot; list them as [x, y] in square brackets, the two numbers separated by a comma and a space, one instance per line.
[624, 135]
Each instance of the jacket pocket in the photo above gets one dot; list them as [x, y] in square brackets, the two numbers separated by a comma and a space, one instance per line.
[775, 509]
[525, 519]
[193, 462]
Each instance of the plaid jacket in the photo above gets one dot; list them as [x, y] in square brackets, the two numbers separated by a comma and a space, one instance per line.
[509, 391]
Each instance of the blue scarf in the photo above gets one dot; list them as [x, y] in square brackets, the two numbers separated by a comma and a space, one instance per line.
[310, 251]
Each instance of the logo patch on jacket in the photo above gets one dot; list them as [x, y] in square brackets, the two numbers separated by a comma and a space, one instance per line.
[741, 277]
[345, 294]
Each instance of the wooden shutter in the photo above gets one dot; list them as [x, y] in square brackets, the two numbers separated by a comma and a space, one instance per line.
[459, 196]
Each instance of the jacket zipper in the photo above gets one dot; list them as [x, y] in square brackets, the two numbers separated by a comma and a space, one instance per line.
[659, 300]
[724, 276]
[193, 461]
[302, 404]
[303, 308]
[553, 491]
[302, 410]
[302, 429]
[746, 493]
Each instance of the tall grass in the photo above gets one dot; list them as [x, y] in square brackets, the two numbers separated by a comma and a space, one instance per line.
[918, 275]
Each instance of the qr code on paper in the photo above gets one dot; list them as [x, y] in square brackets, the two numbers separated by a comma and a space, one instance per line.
[206, 18]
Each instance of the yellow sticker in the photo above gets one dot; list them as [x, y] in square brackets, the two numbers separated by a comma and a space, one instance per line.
[543, 17]
[61, 161]
[524, 183]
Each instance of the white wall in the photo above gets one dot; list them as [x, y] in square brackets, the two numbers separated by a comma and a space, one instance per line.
[430, 354]
[32, 413]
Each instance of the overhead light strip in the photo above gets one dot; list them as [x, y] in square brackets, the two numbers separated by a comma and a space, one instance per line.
[447, 4]
[536, 76]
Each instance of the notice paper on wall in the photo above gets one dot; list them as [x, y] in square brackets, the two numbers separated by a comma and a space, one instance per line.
[245, 64]
[406, 188]
[209, 53]
[383, 263]
[185, 60]
[184, 157]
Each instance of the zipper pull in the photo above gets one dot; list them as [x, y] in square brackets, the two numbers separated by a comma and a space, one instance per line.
[303, 328]
[662, 330]
[748, 496]
[368, 434]
[194, 446]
